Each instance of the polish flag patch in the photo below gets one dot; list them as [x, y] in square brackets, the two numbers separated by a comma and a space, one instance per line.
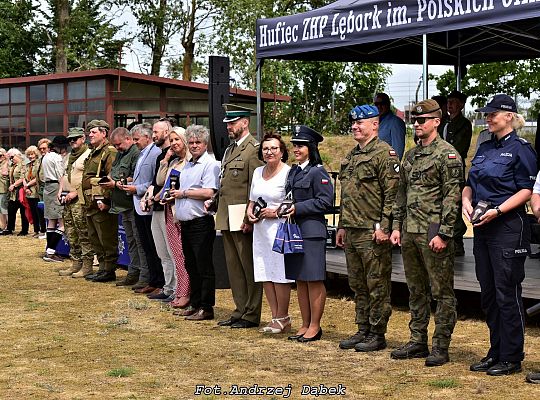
[324, 181]
[452, 156]
[392, 152]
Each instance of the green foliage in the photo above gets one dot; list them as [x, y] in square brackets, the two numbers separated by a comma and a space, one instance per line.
[485, 80]
[121, 372]
[21, 37]
[448, 383]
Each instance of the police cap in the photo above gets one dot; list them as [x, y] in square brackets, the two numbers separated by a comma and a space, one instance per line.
[303, 135]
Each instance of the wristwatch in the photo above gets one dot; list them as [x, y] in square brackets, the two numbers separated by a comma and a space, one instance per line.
[499, 212]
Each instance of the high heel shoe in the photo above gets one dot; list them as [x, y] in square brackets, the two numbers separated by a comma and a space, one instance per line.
[317, 336]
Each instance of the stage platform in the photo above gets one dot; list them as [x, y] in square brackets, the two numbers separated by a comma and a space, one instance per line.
[465, 278]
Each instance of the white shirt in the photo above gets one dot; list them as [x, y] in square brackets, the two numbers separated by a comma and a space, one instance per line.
[52, 166]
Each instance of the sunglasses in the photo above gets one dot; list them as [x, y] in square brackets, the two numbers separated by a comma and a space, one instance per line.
[421, 120]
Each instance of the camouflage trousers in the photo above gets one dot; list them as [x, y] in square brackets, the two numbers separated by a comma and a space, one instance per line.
[429, 275]
[77, 232]
[369, 266]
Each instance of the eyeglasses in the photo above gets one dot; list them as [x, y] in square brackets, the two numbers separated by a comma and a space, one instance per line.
[272, 149]
[73, 139]
[421, 120]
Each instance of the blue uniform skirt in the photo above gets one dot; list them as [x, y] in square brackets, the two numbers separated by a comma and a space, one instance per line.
[309, 266]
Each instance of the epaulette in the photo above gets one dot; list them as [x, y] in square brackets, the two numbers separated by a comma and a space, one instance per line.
[523, 140]
[319, 165]
[111, 147]
[256, 144]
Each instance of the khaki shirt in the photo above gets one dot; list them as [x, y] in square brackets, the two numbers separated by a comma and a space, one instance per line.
[369, 180]
[104, 155]
[429, 188]
[31, 173]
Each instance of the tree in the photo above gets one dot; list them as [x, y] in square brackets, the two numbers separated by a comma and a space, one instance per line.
[515, 78]
[21, 38]
[82, 35]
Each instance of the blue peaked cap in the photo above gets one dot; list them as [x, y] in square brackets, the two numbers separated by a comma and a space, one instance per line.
[363, 112]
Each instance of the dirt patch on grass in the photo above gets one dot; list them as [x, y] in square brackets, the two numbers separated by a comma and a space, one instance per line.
[64, 338]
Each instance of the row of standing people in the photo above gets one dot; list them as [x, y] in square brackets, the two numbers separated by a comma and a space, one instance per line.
[415, 204]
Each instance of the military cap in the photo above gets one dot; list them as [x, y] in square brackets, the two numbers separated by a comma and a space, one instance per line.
[499, 102]
[363, 112]
[75, 132]
[234, 112]
[426, 107]
[97, 123]
[454, 94]
[60, 141]
[303, 134]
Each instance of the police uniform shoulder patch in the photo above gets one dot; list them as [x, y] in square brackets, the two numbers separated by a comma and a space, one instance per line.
[324, 181]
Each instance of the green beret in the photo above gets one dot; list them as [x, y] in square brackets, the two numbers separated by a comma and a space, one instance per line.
[75, 132]
[97, 123]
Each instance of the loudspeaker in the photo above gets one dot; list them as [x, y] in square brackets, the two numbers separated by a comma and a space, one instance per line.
[218, 94]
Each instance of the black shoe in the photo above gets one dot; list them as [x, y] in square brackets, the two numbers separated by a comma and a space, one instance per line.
[437, 357]
[244, 323]
[533, 377]
[349, 343]
[295, 337]
[5, 232]
[504, 368]
[410, 350]
[228, 322]
[94, 275]
[158, 296]
[105, 277]
[317, 336]
[483, 365]
[372, 342]
[459, 251]
[22, 234]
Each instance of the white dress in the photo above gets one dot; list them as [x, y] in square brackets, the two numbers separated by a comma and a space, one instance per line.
[268, 265]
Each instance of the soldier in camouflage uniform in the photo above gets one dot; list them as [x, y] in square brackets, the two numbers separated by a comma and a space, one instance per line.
[102, 226]
[70, 193]
[369, 178]
[424, 218]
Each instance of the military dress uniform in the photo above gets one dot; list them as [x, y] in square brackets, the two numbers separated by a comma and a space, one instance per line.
[102, 226]
[237, 168]
[500, 169]
[369, 179]
[427, 198]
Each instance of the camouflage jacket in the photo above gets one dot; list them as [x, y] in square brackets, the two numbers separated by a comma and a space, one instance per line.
[369, 180]
[429, 189]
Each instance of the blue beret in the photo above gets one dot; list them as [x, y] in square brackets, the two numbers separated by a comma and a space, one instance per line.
[363, 112]
[304, 134]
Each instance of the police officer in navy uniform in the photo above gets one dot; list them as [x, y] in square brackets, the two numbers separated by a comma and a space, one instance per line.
[503, 173]
[312, 192]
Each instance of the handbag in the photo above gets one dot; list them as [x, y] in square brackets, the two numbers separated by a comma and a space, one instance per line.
[279, 241]
[294, 243]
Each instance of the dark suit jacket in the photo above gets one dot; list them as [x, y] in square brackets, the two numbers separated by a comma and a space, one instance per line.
[312, 191]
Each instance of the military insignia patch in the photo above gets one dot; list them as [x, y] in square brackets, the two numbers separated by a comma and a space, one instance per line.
[235, 172]
[324, 181]
[452, 156]
[353, 115]
[455, 172]
[392, 152]
[419, 109]
[396, 167]
[298, 128]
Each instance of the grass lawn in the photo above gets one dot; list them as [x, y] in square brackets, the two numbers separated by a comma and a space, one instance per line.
[63, 338]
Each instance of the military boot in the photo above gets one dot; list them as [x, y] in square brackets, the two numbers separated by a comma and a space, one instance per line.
[76, 266]
[410, 350]
[437, 357]
[349, 343]
[372, 342]
[87, 269]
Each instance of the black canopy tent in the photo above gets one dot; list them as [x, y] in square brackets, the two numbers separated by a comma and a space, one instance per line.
[443, 32]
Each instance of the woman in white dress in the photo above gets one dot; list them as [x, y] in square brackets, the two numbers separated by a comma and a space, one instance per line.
[268, 183]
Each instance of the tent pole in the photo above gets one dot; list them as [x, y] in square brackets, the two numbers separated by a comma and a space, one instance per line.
[259, 101]
[458, 74]
[425, 65]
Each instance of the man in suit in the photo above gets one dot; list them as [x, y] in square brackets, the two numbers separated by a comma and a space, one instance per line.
[145, 170]
[239, 162]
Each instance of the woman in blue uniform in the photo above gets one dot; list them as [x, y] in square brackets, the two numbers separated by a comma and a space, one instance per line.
[503, 172]
[312, 192]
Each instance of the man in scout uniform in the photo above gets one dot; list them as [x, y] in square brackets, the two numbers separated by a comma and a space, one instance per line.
[369, 178]
[102, 226]
[239, 162]
[424, 214]
[71, 195]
